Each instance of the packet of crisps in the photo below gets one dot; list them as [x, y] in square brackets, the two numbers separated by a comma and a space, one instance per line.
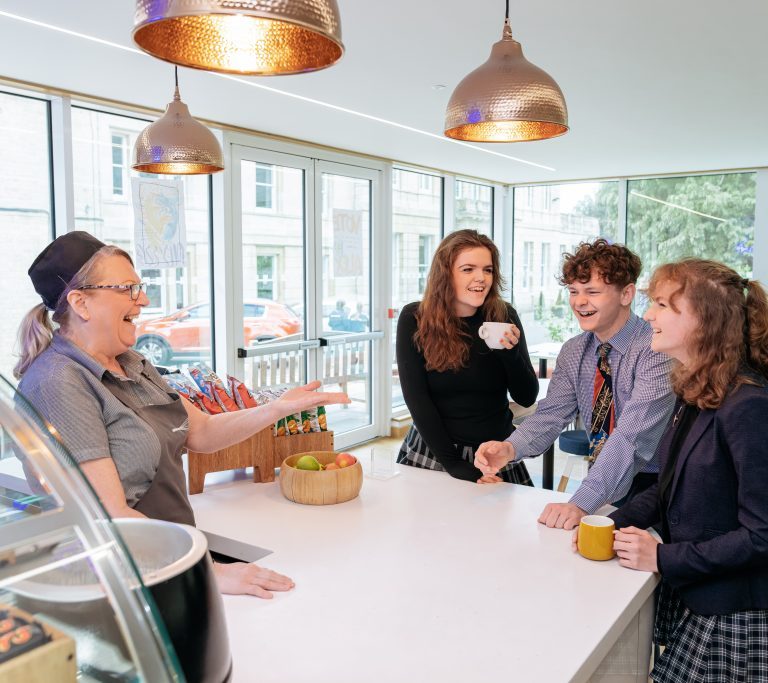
[280, 429]
[198, 376]
[185, 388]
[311, 415]
[306, 424]
[224, 399]
[292, 424]
[322, 420]
[218, 390]
[210, 405]
[241, 393]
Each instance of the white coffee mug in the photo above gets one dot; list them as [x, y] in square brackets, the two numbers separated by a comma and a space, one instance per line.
[492, 332]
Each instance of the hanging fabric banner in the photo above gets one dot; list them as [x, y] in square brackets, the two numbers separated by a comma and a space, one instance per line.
[160, 234]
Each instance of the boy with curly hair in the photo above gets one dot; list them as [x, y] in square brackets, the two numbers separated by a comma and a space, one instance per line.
[609, 375]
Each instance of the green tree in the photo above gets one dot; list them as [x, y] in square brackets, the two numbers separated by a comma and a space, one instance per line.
[710, 216]
[603, 205]
[702, 216]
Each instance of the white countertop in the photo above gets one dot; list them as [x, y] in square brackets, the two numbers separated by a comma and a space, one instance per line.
[422, 577]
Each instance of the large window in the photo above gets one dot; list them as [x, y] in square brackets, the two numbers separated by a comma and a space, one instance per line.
[176, 326]
[417, 220]
[474, 207]
[25, 210]
[554, 219]
[708, 216]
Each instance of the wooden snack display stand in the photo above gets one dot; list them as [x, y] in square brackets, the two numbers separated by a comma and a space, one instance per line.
[263, 451]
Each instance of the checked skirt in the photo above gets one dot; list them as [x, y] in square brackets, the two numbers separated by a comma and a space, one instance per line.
[730, 648]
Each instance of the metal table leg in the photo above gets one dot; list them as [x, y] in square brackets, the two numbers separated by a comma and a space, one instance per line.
[548, 468]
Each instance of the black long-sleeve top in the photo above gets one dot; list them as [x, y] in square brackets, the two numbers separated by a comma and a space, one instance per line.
[454, 409]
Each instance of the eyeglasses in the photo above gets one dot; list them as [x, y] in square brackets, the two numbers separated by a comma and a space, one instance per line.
[135, 290]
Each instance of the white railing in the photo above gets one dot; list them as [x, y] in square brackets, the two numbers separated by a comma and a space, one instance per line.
[344, 359]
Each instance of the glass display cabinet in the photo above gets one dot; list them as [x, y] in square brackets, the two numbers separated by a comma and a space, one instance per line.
[73, 606]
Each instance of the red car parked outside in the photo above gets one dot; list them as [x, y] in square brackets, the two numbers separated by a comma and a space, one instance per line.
[186, 334]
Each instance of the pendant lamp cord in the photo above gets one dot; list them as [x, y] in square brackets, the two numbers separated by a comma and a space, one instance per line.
[176, 68]
[506, 16]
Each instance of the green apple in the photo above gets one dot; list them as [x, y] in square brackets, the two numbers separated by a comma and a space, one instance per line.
[308, 462]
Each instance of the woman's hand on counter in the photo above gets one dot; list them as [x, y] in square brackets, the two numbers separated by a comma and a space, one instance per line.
[489, 479]
[243, 578]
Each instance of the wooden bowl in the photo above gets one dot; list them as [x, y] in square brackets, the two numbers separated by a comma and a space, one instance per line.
[324, 487]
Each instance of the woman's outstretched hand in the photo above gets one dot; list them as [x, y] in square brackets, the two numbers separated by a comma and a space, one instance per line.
[302, 398]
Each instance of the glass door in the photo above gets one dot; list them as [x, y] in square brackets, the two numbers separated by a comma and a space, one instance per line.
[270, 190]
[344, 298]
[305, 280]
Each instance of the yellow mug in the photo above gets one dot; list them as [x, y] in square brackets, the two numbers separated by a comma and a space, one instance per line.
[596, 537]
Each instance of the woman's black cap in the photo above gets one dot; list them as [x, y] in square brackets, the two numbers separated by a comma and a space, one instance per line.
[59, 262]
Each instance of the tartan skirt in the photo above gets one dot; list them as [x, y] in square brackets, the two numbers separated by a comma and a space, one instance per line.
[727, 648]
[415, 452]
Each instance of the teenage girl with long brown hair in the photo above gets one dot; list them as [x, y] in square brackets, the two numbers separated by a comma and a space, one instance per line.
[711, 500]
[454, 385]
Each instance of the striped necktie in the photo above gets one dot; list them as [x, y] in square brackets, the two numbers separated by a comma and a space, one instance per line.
[603, 410]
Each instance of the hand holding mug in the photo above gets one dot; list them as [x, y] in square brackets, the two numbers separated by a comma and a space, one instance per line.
[499, 335]
[636, 549]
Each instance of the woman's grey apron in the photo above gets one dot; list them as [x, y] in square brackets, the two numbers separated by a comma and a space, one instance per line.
[166, 498]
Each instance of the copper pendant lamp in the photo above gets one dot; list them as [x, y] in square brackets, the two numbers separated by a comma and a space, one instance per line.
[507, 99]
[254, 37]
[177, 144]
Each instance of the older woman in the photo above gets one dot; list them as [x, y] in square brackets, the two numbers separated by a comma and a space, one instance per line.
[112, 410]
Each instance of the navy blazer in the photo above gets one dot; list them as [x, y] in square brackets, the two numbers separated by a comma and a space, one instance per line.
[717, 553]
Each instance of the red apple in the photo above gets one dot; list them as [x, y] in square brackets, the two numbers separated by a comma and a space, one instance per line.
[345, 459]
[331, 466]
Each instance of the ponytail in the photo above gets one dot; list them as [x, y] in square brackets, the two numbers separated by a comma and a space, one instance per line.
[34, 337]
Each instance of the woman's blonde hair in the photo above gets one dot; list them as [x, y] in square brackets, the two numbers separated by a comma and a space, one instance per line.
[730, 342]
[439, 335]
[37, 327]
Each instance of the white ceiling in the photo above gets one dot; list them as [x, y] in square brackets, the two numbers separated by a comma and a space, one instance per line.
[658, 86]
